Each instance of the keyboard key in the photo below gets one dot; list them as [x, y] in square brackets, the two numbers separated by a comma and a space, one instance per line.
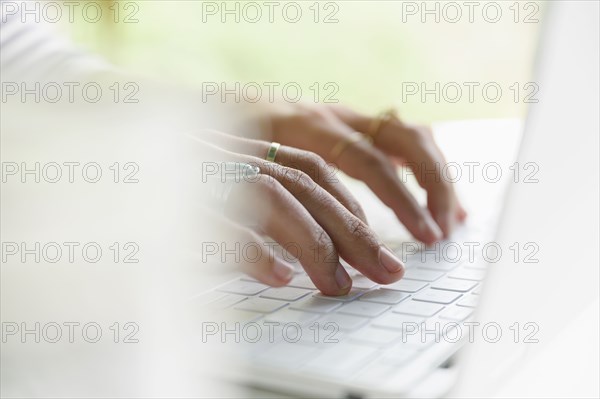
[285, 293]
[417, 308]
[450, 284]
[264, 334]
[287, 354]
[366, 309]
[226, 301]
[317, 305]
[243, 287]
[455, 313]
[477, 264]
[302, 281]
[422, 274]
[353, 294]
[412, 261]
[376, 372]
[469, 301]
[468, 274]
[397, 321]
[322, 335]
[341, 359]
[441, 266]
[206, 298]
[445, 256]
[399, 355]
[287, 315]
[362, 282]
[419, 340]
[234, 316]
[445, 329]
[411, 286]
[375, 336]
[260, 305]
[343, 321]
[451, 251]
[436, 296]
[387, 297]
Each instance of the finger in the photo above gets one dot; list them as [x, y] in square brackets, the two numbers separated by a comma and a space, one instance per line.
[265, 203]
[354, 240]
[306, 161]
[361, 161]
[261, 202]
[370, 165]
[422, 155]
[261, 265]
[323, 174]
[417, 148]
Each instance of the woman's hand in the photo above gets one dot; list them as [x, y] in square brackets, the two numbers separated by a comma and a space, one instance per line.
[299, 203]
[298, 200]
[321, 128]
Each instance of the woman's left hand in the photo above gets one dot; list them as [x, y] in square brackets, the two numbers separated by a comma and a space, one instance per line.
[321, 128]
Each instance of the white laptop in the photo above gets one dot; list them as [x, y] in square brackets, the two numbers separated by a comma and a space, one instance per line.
[402, 339]
[369, 344]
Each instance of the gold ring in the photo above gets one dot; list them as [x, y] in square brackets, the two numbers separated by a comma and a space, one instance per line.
[341, 145]
[378, 122]
[272, 153]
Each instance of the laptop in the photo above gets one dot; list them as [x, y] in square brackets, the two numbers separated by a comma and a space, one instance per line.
[412, 338]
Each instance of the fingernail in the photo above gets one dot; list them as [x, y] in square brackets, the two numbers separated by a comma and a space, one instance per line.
[282, 270]
[389, 261]
[342, 278]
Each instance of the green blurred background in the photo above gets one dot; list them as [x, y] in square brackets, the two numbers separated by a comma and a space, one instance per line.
[368, 53]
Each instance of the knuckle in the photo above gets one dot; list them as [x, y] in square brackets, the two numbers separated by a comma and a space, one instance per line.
[266, 181]
[297, 180]
[311, 159]
[322, 239]
[320, 169]
[372, 160]
[323, 247]
[311, 163]
[355, 208]
[358, 229]
[324, 172]
[269, 186]
[363, 233]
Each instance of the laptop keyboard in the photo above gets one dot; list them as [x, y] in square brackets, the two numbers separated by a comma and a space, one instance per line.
[341, 335]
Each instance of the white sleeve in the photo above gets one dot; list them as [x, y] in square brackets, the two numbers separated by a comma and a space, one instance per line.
[35, 50]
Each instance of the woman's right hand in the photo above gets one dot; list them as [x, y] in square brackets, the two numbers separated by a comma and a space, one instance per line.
[300, 204]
